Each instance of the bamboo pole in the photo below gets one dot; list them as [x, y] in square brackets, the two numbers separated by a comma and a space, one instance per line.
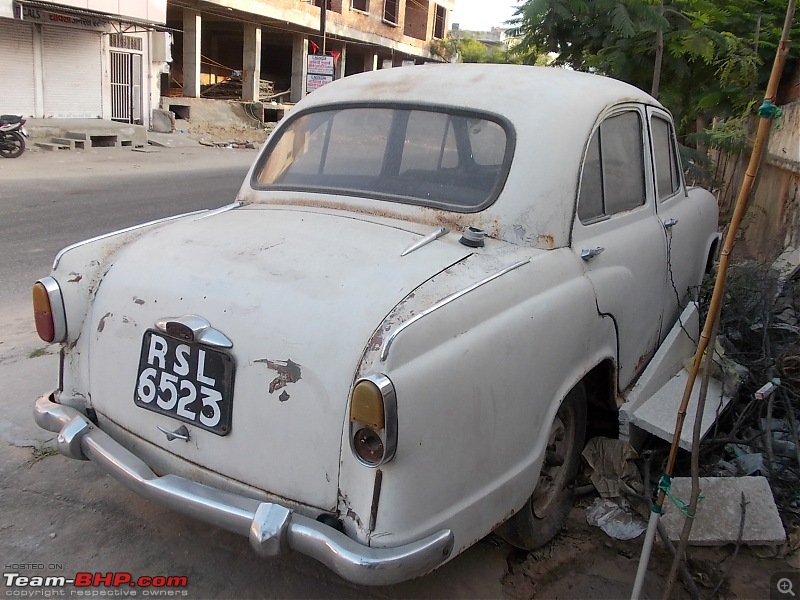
[764, 124]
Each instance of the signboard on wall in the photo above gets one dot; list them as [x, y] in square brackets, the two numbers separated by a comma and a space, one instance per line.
[320, 71]
[49, 17]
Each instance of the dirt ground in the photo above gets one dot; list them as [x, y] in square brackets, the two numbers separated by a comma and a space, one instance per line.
[583, 562]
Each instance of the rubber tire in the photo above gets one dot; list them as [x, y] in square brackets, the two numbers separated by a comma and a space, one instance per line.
[525, 529]
[18, 141]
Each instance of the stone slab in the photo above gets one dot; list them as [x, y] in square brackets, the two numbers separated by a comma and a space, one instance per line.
[658, 414]
[50, 146]
[171, 140]
[678, 347]
[719, 513]
[44, 129]
[162, 121]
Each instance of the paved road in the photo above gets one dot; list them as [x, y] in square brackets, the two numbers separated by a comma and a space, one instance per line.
[63, 514]
[62, 203]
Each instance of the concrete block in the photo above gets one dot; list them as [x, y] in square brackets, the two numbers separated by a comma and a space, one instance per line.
[76, 135]
[72, 143]
[162, 121]
[658, 414]
[49, 146]
[678, 347]
[719, 512]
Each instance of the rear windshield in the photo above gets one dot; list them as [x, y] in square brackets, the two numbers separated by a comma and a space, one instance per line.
[454, 161]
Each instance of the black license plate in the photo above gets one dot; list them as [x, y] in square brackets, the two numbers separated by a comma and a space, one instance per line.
[189, 382]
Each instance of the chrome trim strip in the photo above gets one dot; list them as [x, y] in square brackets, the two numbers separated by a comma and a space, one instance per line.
[389, 434]
[431, 237]
[387, 343]
[271, 528]
[57, 307]
[221, 209]
[63, 251]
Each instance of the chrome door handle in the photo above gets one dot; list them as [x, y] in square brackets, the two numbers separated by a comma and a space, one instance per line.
[670, 223]
[590, 253]
[181, 433]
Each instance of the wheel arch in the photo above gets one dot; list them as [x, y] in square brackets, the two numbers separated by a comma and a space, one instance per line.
[600, 385]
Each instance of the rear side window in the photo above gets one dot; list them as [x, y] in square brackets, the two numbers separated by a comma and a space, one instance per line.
[613, 172]
[444, 160]
[668, 175]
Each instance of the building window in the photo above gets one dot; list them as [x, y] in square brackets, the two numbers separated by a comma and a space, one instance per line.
[362, 5]
[440, 23]
[332, 5]
[126, 42]
[390, 10]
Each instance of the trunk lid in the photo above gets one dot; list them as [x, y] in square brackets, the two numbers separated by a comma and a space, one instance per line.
[298, 293]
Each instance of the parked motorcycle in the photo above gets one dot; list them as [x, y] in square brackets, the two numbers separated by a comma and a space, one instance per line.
[12, 136]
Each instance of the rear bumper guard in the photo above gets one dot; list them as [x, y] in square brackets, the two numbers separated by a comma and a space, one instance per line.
[271, 528]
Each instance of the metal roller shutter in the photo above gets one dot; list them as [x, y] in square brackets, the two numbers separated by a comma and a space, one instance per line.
[73, 73]
[16, 68]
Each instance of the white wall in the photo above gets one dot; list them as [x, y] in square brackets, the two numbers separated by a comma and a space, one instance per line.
[6, 9]
[154, 11]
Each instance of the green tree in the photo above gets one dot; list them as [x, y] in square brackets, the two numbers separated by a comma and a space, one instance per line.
[468, 49]
[702, 58]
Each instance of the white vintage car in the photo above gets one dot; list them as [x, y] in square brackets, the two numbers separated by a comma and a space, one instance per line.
[391, 343]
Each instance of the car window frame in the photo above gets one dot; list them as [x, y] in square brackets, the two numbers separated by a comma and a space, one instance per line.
[500, 182]
[648, 172]
[655, 113]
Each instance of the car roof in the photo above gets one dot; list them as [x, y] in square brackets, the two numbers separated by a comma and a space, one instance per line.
[553, 112]
[506, 89]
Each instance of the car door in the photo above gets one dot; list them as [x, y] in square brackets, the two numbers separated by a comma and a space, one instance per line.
[679, 216]
[619, 238]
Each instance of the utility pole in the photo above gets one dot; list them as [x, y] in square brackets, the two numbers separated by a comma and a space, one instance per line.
[323, 18]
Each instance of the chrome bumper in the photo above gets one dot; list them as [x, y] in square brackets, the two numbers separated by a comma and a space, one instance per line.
[272, 529]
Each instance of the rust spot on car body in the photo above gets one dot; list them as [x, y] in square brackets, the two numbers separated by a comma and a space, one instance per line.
[456, 222]
[284, 396]
[76, 277]
[548, 240]
[138, 301]
[288, 372]
[376, 341]
[102, 324]
[349, 513]
[641, 362]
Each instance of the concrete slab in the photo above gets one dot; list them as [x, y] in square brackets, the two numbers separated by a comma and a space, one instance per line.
[657, 415]
[51, 146]
[719, 513]
[678, 347]
[171, 140]
[44, 129]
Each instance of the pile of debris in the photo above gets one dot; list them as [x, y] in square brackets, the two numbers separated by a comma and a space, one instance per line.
[760, 330]
[231, 89]
[230, 144]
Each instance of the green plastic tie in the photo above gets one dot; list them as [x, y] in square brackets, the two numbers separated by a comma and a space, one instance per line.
[664, 484]
[768, 110]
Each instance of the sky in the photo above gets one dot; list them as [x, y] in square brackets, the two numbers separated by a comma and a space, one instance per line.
[481, 15]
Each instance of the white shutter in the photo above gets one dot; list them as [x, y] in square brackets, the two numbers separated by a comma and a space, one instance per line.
[16, 68]
[73, 73]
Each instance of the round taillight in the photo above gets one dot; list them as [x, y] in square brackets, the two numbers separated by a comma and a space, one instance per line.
[43, 313]
[368, 445]
[48, 311]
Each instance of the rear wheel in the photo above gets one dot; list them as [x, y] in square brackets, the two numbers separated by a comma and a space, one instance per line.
[12, 144]
[544, 513]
